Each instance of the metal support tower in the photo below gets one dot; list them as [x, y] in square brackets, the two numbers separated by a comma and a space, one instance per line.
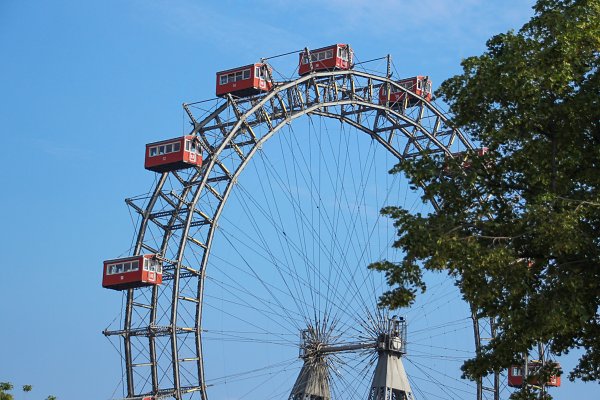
[313, 381]
[390, 381]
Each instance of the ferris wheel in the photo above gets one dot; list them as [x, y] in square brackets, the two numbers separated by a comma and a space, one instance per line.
[248, 276]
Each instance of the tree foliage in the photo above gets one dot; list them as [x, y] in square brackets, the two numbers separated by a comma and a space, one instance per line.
[519, 228]
[6, 387]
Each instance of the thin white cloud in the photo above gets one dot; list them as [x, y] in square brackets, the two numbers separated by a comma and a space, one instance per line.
[424, 31]
[221, 25]
[246, 27]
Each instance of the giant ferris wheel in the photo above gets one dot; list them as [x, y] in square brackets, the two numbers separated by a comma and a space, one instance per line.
[248, 275]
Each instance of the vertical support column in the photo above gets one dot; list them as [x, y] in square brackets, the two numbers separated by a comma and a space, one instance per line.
[127, 344]
[542, 357]
[389, 66]
[496, 373]
[152, 341]
[130, 296]
[526, 371]
[174, 348]
[477, 336]
[313, 381]
[175, 297]
[198, 333]
[388, 75]
[390, 380]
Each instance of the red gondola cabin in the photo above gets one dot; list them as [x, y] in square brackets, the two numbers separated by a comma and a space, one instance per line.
[173, 154]
[245, 81]
[515, 375]
[132, 272]
[419, 85]
[464, 158]
[334, 57]
[464, 155]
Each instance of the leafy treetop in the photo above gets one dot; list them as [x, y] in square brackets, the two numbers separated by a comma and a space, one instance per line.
[519, 228]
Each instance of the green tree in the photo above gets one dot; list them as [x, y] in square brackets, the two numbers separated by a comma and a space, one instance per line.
[4, 388]
[27, 389]
[519, 228]
[7, 387]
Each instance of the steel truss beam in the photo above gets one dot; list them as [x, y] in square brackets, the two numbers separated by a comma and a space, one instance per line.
[230, 134]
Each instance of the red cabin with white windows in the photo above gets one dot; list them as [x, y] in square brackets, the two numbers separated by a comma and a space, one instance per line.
[464, 157]
[419, 85]
[516, 372]
[132, 272]
[173, 154]
[479, 152]
[245, 81]
[334, 57]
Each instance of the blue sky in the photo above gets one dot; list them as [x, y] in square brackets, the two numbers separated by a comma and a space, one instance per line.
[84, 85]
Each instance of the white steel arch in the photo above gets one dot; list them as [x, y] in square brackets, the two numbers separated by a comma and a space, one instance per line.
[162, 327]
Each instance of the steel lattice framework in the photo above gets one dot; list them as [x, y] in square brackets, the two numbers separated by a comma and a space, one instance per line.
[162, 327]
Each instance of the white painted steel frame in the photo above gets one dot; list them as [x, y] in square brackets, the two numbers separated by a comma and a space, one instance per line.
[229, 141]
